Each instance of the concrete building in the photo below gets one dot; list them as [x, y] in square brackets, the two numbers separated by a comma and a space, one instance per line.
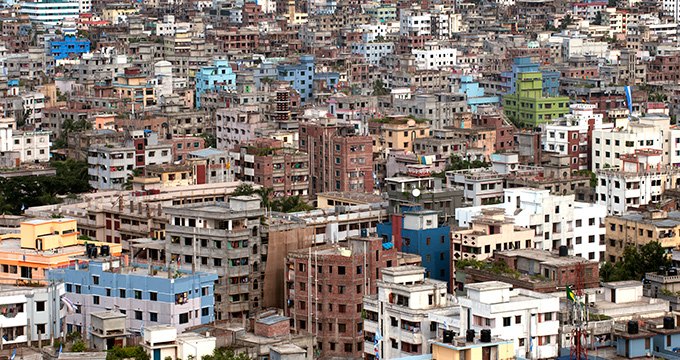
[418, 232]
[638, 229]
[373, 52]
[481, 186]
[641, 181]
[39, 246]
[31, 313]
[163, 341]
[326, 286]
[410, 301]
[433, 196]
[109, 166]
[238, 124]
[107, 330]
[557, 220]
[218, 77]
[572, 134]
[50, 12]
[397, 132]
[300, 76]
[527, 318]
[339, 158]
[267, 163]
[225, 239]
[32, 146]
[68, 46]
[435, 57]
[489, 232]
[649, 132]
[528, 105]
[145, 296]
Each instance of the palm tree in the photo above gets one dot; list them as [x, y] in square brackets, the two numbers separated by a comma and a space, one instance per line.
[266, 196]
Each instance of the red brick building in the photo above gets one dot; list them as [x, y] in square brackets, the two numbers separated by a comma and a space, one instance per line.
[266, 162]
[505, 132]
[664, 68]
[325, 290]
[339, 158]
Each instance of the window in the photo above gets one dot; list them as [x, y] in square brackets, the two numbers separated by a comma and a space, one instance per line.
[121, 293]
[342, 328]
[547, 317]
[77, 289]
[341, 270]
[95, 300]
[348, 347]
[506, 321]
[138, 315]
[184, 318]
[95, 280]
[138, 294]
[40, 328]
[205, 311]
[518, 319]
[153, 296]
[39, 306]
[153, 317]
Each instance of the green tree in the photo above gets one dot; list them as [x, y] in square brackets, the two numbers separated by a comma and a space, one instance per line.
[266, 196]
[210, 140]
[225, 354]
[243, 189]
[598, 18]
[128, 352]
[566, 21]
[379, 88]
[78, 346]
[291, 204]
[636, 263]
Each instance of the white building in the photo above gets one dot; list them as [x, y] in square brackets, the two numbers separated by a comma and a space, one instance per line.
[373, 52]
[435, 57]
[30, 313]
[480, 186]
[556, 219]
[32, 146]
[649, 132]
[33, 104]
[109, 167]
[50, 12]
[162, 341]
[579, 45]
[414, 22]
[640, 181]
[6, 131]
[528, 318]
[560, 135]
[403, 312]
[671, 8]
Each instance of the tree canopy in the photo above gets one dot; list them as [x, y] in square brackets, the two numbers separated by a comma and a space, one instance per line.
[18, 193]
[636, 263]
[225, 354]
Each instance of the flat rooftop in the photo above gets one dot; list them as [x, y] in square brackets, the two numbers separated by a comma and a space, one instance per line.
[365, 198]
[273, 319]
[544, 257]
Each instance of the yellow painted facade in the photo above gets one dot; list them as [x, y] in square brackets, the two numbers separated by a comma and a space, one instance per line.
[42, 245]
[503, 350]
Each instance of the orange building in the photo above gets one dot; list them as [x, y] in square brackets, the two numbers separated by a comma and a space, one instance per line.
[42, 245]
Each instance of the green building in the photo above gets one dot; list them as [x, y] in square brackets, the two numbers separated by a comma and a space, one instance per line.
[528, 106]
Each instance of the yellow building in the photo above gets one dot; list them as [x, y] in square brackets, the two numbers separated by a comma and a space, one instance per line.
[42, 245]
[491, 231]
[460, 349]
[134, 86]
[640, 229]
[116, 13]
[397, 132]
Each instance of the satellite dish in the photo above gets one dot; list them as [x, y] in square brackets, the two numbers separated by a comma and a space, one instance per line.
[415, 192]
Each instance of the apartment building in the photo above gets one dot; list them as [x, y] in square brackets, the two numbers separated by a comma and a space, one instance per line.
[373, 52]
[557, 220]
[339, 158]
[435, 57]
[528, 318]
[402, 312]
[572, 134]
[397, 132]
[225, 239]
[146, 297]
[300, 75]
[326, 286]
[31, 312]
[481, 186]
[238, 124]
[33, 146]
[41, 245]
[50, 12]
[488, 232]
[640, 181]
[110, 166]
[638, 229]
[267, 163]
[217, 77]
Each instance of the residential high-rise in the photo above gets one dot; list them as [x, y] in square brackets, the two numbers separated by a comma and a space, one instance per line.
[339, 158]
[326, 287]
[226, 239]
[529, 106]
[401, 310]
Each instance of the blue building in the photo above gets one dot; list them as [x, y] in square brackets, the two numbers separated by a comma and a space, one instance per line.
[329, 80]
[67, 46]
[218, 77]
[475, 94]
[147, 297]
[300, 76]
[418, 232]
[551, 78]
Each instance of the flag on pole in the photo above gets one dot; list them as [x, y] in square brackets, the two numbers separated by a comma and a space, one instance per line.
[14, 354]
[376, 347]
[570, 294]
[629, 99]
[61, 348]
